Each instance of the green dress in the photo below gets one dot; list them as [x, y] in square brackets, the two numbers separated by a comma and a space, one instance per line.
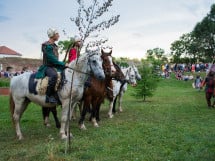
[50, 59]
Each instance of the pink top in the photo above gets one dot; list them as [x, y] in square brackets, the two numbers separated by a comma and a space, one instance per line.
[72, 54]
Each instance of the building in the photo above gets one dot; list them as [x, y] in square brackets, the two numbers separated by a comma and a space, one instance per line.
[10, 59]
[7, 52]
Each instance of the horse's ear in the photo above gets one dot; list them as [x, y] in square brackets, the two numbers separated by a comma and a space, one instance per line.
[102, 51]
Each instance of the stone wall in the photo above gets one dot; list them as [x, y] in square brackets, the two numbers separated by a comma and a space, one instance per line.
[18, 63]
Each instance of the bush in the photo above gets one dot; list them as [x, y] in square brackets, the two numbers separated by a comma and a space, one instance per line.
[4, 82]
[148, 84]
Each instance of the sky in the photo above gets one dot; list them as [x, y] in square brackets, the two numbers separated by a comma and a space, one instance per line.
[143, 24]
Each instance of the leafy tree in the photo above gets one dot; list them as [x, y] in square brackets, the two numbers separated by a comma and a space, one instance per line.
[158, 52]
[186, 48]
[122, 61]
[204, 32]
[65, 45]
[156, 57]
[149, 82]
[198, 45]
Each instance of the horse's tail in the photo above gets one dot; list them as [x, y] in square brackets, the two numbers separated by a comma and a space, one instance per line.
[12, 107]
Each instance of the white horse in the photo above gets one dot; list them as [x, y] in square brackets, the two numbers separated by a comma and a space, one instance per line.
[20, 97]
[131, 75]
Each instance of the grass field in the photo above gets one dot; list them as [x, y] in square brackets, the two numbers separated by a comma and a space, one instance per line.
[174, 125]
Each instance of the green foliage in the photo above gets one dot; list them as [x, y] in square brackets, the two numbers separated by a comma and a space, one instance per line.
[198, 45]
[185, 50]
[148, 84]
[156, 56]
[65, 45]
[204, 31]
[4, 82]
[122, 61]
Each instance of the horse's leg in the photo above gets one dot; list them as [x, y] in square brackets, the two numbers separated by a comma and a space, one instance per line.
[114, 105]
[83, 114]
[20, 107]
[93, 113]
[54, 112]
[97, 112]
[110, 114]
[46, 111]
[74, 115]
[120, 101]
[64, 118]
[80, 106]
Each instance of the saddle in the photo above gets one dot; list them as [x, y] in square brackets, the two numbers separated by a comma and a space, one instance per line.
[39, 86]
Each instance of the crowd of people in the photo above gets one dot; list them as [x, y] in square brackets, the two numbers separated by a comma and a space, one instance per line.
[9, 72]
[193, 72]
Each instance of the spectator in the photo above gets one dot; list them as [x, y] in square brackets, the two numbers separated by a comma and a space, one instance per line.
[198, 82]
[209, 89]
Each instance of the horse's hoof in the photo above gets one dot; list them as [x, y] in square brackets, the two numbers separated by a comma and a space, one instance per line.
[48, 125]
[82, 127]
[63, 136]
[20, 137]
[120, 110]
[110, 116]
[96, 125]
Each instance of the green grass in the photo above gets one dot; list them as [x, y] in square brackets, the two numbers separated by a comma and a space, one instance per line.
[174, 124]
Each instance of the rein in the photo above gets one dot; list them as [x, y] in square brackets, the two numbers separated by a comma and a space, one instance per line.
[76, 70]
[79, 71]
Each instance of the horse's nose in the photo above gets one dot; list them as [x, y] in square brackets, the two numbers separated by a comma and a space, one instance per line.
[134, 85]
[101, 77]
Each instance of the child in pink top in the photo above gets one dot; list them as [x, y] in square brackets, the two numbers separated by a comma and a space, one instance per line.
[74, 51]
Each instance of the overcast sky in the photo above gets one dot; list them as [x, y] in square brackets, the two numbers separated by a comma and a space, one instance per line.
[144, 24]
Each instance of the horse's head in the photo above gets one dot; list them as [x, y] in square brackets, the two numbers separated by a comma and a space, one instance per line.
[137, 74]
[95, 66]
[108, 65]
[130, 76]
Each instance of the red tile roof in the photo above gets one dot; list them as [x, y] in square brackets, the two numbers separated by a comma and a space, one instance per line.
[7, 51]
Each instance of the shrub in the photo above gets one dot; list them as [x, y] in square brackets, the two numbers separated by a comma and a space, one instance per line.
[148, 84]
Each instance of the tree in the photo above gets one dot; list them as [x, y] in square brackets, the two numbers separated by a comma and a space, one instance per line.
[198, 45]
[87, 21]
[204, 32]
[148, 84]
[156, 56]
[122, 61]
[65, 45]
[186, 48]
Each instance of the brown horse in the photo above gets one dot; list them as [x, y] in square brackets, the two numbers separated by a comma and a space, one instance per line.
[94, 95]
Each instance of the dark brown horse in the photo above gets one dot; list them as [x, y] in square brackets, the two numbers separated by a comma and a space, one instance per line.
[94, 95]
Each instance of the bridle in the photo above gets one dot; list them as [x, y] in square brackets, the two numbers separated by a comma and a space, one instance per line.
[107, 67]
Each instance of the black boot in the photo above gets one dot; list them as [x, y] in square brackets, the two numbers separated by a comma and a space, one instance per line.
[51, 92]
